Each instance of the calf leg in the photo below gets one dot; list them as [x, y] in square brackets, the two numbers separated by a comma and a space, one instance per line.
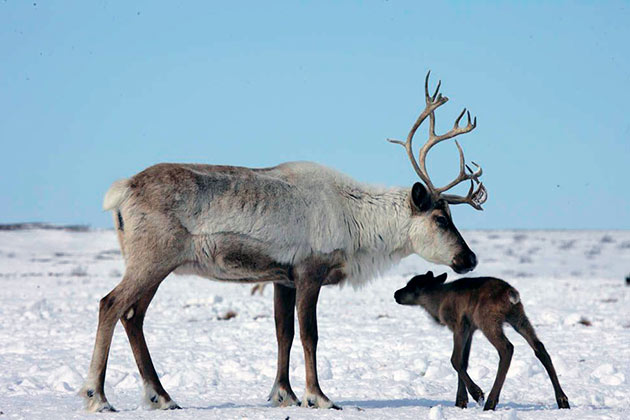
[498, 339]
[133, 320]
[524, 328]
[284, 313]
[462, 395]
[462, 338]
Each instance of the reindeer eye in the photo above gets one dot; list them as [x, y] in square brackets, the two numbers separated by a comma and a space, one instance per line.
[441, 221]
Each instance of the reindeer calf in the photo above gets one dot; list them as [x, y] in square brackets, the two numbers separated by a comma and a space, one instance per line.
[469, 304]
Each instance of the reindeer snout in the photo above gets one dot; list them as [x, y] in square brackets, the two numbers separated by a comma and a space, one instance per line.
[464, 262]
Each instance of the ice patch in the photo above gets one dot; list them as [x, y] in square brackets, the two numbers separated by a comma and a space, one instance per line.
[324, 369]
[402, 375]
[438, 370]
[65, 379]
[435, 413]
[479, 372]
[608, 375]
[572, 319]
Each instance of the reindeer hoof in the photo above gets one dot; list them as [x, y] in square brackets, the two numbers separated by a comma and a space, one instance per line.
[160, 402]
[102, 406]
[282, 397]
[318, 401]
[461, 403]
[94, 402]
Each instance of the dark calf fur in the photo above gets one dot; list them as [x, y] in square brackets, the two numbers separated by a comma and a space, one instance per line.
[469, 304]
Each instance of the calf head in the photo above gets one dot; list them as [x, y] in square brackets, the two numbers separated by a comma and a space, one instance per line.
[416, 288]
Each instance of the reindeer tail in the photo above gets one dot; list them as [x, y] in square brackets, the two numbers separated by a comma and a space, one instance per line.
[116, 194]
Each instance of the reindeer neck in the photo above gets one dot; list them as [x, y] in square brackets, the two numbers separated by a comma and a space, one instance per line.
[378, 220]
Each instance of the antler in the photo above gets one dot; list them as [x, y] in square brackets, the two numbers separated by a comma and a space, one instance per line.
[432, 103]
[474, 198]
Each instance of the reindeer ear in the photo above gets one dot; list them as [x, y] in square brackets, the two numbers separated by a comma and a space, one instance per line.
[420, 197]
[441, 278]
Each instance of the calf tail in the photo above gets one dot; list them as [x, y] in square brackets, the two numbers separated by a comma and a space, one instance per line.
[514, 296]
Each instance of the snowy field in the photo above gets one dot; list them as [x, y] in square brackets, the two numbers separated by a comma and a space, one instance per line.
[376, 359]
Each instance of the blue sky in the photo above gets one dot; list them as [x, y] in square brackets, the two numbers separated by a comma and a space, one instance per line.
[95, 91]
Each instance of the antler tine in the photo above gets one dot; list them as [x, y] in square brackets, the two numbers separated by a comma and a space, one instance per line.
[463, 176]
[457, 130]
[475, 175]
[432, 103]
[475, 198]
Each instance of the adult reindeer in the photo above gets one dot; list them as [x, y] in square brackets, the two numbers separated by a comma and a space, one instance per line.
[299, 225]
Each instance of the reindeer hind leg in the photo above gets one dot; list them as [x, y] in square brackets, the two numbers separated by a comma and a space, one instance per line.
[137, 280]
[155, 395]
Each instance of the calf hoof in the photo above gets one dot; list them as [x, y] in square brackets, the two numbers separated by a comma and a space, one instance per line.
[281, 396]
[313, 400]
[490, 405]
[563, 402]
[478, 396]
[463, 403]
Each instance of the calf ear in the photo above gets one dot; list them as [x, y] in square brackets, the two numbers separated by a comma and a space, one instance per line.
[420, 197]
[436, 281]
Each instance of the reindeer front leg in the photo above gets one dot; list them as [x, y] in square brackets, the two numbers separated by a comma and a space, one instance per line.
[284, 312]
[307, 290]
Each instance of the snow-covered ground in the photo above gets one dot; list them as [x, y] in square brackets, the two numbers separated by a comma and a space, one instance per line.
[376, 359]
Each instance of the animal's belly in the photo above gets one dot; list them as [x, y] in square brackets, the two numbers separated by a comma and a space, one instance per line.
[237, 276]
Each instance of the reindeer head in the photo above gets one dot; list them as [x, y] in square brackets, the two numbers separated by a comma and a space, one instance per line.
[432, 233]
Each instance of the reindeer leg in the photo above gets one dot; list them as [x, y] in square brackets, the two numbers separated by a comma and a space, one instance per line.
[138, 279]
[462, 339]
[307, 291]
[133, 320]
[524, 328]
[284, 312]
[498, 339]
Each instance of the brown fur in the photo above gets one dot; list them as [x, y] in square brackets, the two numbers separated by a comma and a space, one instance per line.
[483, 303]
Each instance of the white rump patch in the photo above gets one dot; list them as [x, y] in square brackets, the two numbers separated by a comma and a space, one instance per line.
[116, 194]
